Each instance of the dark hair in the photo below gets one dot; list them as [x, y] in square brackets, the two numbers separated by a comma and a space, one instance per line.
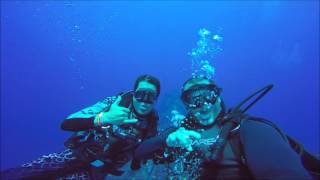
[150, 79]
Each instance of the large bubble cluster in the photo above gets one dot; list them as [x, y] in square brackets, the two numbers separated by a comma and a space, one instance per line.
[187, 164]
[176, 118]
[208, 47]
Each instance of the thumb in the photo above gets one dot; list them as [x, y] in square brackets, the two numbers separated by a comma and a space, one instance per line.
[130, 121]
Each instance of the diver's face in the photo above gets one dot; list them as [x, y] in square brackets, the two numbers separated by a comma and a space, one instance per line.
[202, 102]
[144, 98]
[208, 113]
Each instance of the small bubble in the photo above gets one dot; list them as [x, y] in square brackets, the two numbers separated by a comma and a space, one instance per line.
[217, 38]
[72, 59]
[204, 32]
[68, 4]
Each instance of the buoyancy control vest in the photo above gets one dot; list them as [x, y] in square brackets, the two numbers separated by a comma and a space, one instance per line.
[110, 143]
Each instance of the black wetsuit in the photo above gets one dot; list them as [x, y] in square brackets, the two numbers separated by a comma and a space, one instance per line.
[254, 150]
[112, 146]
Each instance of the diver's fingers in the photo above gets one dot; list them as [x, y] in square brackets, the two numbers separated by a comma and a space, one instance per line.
[180, 137]
[187, 140]
[117, 101]
[123, 117]
[130, 121]
[178, 141]
[189, 148]
[123, 109]
[192, 134]
[172, 140]
[179, 131]
[123, 114]
[182, 141]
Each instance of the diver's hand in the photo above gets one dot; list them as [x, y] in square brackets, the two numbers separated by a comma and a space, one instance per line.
[182, 138]
[116, 115]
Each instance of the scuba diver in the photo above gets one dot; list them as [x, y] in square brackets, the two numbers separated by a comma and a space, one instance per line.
[105, 136]
[214, 143]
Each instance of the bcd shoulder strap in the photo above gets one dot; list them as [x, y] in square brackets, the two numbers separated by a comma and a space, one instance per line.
[309, 161]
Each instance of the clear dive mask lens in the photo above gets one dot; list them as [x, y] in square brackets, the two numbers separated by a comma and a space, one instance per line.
[200, 95]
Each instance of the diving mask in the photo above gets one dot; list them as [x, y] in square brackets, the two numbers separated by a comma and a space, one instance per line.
[145, 95]
[199, 95]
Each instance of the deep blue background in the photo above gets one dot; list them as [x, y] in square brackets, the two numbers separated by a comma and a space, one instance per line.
[58, 57]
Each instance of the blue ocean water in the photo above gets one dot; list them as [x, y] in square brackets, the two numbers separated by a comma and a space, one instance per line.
[59, 57]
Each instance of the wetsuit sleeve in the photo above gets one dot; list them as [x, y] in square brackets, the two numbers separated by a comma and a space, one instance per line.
[84, 119]
[268, 154]
[148, 148]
